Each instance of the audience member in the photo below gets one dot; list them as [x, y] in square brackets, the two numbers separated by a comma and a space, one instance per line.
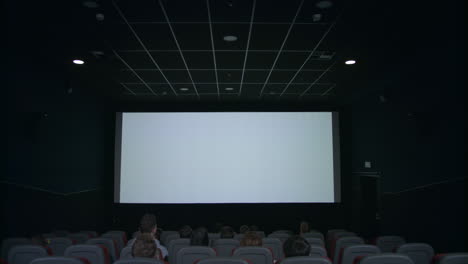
[145, 247]
[148, 226]
[227, 232]
[185, 232]
[199, 237]
[304, 227]
[251, 239]
[296, 246]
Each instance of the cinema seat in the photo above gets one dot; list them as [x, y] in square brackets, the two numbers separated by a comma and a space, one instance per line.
[239, 237]
[91, 234]
[451, 258]
[345, 242]
[95, 254]
[108, 243]
[126, 253]
[276, 247]
[24, 254]
[189, 255]
[58, 245]
[388, 244]
[350, 253]
[386, 258]
[130, 242]
[254, 255]
[119, 240]
[164, 234]
[213, 236]
[79, 238]
[260, 233]
[171, 237]
[122, 234]
[331, 232]
[420, 253]
[225, 246]
[9, 243]
[281, 236]
[313, 235]
[175, 246]
[313, 241]
[331, 240]
[305, 260]
[58, 260]
[282, 232]
[222, 260]
[139, 261]
[318, 251]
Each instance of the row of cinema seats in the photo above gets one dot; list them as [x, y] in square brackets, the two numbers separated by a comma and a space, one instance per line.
[343, 248]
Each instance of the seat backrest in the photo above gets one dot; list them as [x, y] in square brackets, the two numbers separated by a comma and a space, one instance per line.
[79, 238]
[107, 243]
[318, 251]
[281, 236]
[305, 260]
[139, 261]
[213, 236]
[289, 232]
[117, 238]
[24, 254]
[122, 234]
[164, 234]
[350, 253]
[95, 254]
[126, 253]
[90, 233]
[225, 246]
[331, 232]
[130, 242]
[388, 244]
[9, 243]
[331, 240]
[58, 245]
[313, 234]
[57, 260]
[171, 237]
[260, 233]
[189, 255]
[345, 242]
[276, 247]
[223, 260]
[314, 241]
[386, 258]
[174, 247]
[453, 258]
[239, 236]
[420, 253]
[255, 255]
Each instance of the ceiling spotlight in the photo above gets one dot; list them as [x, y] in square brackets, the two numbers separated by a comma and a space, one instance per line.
[230, 38]
[229, 89]
[350, 62]
[90, 4]
[184, 89]
[324, 4]
[78, 62]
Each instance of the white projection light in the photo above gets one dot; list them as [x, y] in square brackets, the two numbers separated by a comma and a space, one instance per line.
[230, 38]
[79, 62]
[350, 62]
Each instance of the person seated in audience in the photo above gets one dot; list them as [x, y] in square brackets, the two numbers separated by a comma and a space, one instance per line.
[148, 226]
[227, 232]
[185, 231]
[244, 229]
[251, 239]
[304, 227]
[145, 247]
[199, 237]
[296, 246]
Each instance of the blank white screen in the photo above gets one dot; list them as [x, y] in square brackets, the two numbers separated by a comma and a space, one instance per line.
[228, 157]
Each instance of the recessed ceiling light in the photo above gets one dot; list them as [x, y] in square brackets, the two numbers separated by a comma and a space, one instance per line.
[90, 4]
[350, 62]
[230, 38]
[78, 61]
[229, 89]
[184, 89]
[324, 4]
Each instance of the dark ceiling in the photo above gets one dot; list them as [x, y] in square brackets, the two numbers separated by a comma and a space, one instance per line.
[286, 51]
